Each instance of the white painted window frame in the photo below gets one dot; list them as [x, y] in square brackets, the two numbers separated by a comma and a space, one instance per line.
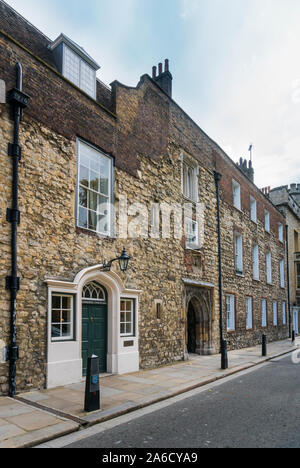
[253, 209]
[267, 222]
[284, 313]
[132, 322]
[190, 193]
[230, 312]
[71, 336]
[79, 85]
[269, 267]
[264, 313]
[110, 232]
[249, 313]
[275, 313]
[281, 233]
[282, 273]
[239, 258]
[237, 200]
[191, 228]
[255, 262]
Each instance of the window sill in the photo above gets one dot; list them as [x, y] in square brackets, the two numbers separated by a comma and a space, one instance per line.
[256, 280]
[193, 249]
[191, 200]
[240, 275]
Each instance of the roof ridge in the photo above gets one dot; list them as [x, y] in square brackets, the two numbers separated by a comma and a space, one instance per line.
[26, 20]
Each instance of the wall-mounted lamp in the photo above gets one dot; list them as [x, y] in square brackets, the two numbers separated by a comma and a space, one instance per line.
[123, 262]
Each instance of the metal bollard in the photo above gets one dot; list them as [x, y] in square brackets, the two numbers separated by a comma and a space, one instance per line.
[92, 389]
[224, 355]
[264, 346]
[293, 337]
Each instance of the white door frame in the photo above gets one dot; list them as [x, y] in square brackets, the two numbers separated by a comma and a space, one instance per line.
[64, 361]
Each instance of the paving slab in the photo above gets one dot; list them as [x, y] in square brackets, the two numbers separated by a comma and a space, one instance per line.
[21, 425]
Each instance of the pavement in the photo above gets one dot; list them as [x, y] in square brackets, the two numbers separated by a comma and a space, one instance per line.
[40, 416]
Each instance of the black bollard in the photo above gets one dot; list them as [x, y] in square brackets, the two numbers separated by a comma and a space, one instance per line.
[92, 389]
[264, 346]
[224, 355]
[293, 336]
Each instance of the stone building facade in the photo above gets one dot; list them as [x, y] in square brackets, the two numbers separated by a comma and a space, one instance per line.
[287, 199]
[153, 164]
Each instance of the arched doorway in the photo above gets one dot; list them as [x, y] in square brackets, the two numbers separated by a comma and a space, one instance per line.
[191, 332]
[199, 321]
[94, 325]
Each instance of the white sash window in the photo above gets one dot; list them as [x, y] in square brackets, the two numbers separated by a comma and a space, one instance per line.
[238, 253]
[269, 267]
[249, 313]
[236, 195]
[284, 321]
[282, 275]
[255, 262]
[264, 319]
[275, 316]
[230, 311]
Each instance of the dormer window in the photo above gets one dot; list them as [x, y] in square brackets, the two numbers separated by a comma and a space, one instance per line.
[75, 64]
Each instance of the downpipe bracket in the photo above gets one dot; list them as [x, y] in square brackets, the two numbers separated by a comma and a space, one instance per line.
[14, 150]
[13, 216]
[12, 283]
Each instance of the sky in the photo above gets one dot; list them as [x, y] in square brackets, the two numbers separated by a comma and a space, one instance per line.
[235, 64]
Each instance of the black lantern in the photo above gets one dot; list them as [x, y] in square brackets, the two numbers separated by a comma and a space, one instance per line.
[123, 262]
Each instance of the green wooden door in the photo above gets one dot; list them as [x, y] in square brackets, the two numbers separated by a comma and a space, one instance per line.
[94, 334]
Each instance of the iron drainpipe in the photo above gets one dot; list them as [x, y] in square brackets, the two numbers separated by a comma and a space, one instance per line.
[18, 101]
[288, 280]
[218, 178]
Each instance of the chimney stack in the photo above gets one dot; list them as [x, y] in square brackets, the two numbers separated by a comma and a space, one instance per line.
[247, 168]
[164, 78]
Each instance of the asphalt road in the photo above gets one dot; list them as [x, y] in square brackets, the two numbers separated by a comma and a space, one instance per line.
[257, 410]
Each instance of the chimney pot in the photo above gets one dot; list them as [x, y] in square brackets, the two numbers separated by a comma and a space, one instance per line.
[154, 70]
[166, 65]
[160, 68]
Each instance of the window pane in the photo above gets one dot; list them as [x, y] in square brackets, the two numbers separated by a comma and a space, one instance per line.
[66, 316]
[87, 79]
[56, 316]
[123, 329]
[84, 176]
[83, 217]
[92, 220]
[72, 66]
[55, 331]
[94, 181]
[129, 328]
[56, 302]
[93, 201]
[66, 331]
[66, 303]
[83, 197]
